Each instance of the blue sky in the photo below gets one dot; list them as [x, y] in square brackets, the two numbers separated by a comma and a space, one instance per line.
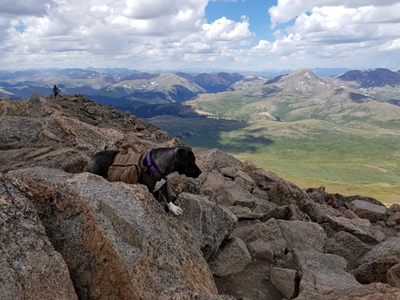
[255, 10]
[251, 35]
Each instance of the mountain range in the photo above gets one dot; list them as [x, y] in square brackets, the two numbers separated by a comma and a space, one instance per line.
[298, 95]
[117, 87]
[123, 87]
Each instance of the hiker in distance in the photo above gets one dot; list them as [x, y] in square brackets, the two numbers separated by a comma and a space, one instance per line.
[56, 90]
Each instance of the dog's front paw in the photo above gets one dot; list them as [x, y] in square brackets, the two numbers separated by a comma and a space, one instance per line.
[176, 210]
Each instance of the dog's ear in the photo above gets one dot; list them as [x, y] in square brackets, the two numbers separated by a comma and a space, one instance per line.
[181, 155]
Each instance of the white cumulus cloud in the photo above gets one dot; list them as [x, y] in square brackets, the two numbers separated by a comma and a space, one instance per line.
[105, 31]
[148, 34]
[351, 33]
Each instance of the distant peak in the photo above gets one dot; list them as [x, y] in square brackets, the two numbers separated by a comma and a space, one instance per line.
[303, 72]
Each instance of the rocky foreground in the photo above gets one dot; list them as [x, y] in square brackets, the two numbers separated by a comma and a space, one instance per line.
[245, 232]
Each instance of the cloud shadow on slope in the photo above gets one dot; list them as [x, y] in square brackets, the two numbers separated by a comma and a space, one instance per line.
[196, 130]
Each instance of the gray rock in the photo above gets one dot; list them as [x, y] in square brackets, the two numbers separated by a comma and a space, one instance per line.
[307, 206]
[261, 250]
[212, 183]
[302, 236]
[393, 276]
[248, 186]
[349, 214]
[368, 211]
[393, 219]
[261, 195]
[325, 209]
[245, 177]
[361, 228]
[345, 200]
[245, 181]
[395, 207]
[245, 228]
[379, 234]
[281, 193]
[209, 222]
[63, 135]
[180, 184]
[297, 215]
[214, 160]
[317, 195]
[233, 258]
[66, 159]
[323, 272]
[375, 271]
[346, 245]
[230, 194]
[181, 293]
[390, 247]
[263, 179]
[286, 281]
[115, 238]
[30, 268]
[373, 291]
[391, 223]
[242, 212]
[277, 212]
[284, 212]
[229, 172]
[269, 233]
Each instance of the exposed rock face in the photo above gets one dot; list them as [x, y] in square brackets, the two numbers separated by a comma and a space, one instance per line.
[286, 281]
[215, 160]
[323, 272]
[303, 236]
[369, 211]
[233, 258]
[232, 194]
[361, 228]
[182, 294]
[268, 234]
[376, 270]
[373, 291]
[346, 245]
[394, 219]
[388, 248]
[393, 276]
[394, 207]
[281, 193]
[63, 134]
[262, 178]
[114, 237]
[30, 268]
[210, 224]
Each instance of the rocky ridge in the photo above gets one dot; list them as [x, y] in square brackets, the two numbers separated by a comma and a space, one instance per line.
[245, 233]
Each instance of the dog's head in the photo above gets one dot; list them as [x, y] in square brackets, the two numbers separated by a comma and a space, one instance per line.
[186, 162]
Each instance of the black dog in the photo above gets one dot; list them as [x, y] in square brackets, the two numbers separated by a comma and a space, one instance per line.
[160, 164]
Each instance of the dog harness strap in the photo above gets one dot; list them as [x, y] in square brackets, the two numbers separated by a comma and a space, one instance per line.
[152, 167]
[137, 171]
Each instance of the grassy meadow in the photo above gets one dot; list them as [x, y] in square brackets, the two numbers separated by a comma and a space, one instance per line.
[309, 153]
